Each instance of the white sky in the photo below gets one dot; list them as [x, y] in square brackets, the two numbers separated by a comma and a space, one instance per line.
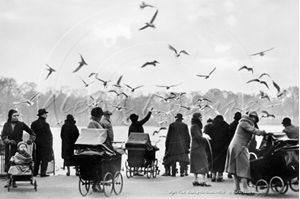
[216, 33]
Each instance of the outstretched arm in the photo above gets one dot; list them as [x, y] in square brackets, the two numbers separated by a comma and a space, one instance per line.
[143, 121]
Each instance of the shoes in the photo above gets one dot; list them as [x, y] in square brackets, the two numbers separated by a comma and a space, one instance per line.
[204, 184]
[44, 175]
[213, 179]
[220, 180]
[229, 175]
[14, 185]
[195, 183]
[165, 174]
[208, 175]
[173, 175]
[68, 174]
[239, 192]
[181, 175]
[186, 174]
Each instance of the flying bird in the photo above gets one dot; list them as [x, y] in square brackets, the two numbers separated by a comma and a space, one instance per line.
[150, 63]
[81, 63]
[144, 5]
[201, 99]
[150, 24]
[118, 82]
[264, 95]
[177, 54]
[247, 68]
[263, 74]
[133, 89]
[51, 70]
[207, 76]
[119, 108]
[279, 92]
[262, 53]
[161, 128]
[267, 114]
[86, 84]
[168, 87]
[257, 80]
[118, 94]
[103, 81]
[165, 99]
[177, 96]
[28, 102]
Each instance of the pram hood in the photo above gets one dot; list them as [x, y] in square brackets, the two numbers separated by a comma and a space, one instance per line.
[141, 140]
[91, 137]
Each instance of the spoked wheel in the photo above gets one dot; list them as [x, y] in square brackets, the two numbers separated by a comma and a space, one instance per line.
[107, 184]
[153, 169]
[285, 188]
[156, 167]
[149, 171]
[262, 187]
[128, 172]
[253, 156]
[84, 187]
[9, 184]
[118, 183]
[277, 184]
[294, 184]
[34, 183]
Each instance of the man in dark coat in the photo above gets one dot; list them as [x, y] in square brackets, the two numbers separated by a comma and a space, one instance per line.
[12, 134]
[177, 147]
[137, 126]
[44, 143]
[69, 134]
[220, 140]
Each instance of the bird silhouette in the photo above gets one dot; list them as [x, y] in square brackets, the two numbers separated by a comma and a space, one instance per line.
[81, 63]
[263, 74]
[150, 24]
[177, 96]
[207, 76]
[279, 92]
[133, 89]
[51, 70]
[168, 87]
[257, 80]
[118, 94]
[150, 63]
[144, 5]
[201, 99]
[93, 74]
[28, 102]
[118, 82]
[247, 68]
[161, 128]
[262, 53]
[177, 54]
[267, 114]
[119, 108]
[86, 84]
[264, 95]
[165, 99]
[103, 81]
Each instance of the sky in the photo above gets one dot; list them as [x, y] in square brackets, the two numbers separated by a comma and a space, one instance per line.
[221, 34]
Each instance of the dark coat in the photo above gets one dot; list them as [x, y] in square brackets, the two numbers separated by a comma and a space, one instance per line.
[69, 134]
[177, 143]
[137, 126]
[44, 139]
[16, 135]
[232, 128]
[220, 140]
[199, 148]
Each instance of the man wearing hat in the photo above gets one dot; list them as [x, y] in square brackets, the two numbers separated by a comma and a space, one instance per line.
[44, 143]
[106, 123]
[290, 130]
[177, 147]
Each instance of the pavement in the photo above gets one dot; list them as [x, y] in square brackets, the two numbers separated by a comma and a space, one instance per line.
[66, 187]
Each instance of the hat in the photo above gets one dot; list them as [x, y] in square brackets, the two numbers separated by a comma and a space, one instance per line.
[237, 116]
[196, 115]
[179, 116]
[41, 111]
[254, 114]
[21, 143]
[97, 112]
[286, 121]
[133, 117]
[70, 117]
[107, 113]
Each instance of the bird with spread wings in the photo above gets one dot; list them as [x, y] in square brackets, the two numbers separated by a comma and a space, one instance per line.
[262, 53]
[81, 64]
[150, 24]
[177, 54]
[207, 76]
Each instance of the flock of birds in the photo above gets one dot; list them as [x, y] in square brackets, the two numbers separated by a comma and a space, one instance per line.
[117, 88]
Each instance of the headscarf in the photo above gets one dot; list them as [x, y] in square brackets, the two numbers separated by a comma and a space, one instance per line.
[10, 113]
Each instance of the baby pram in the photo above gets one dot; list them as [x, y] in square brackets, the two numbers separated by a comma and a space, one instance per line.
[141, 156]
[277, 166]
[98, 163]
[26, 176]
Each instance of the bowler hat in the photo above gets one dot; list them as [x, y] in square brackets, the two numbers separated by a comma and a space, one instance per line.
[70, 117]
[179, 116]
[41, 111]
[97, 112]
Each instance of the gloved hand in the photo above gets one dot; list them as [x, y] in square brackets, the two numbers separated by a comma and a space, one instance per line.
[29, 142]
[6, 141]
[32, 137]
[13, 142]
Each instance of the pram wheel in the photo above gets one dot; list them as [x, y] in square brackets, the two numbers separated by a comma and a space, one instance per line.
[34, 183]
[149, 171]
[9, 184]
[84, 187]
[154, 169]
[107, 184]
[294, 184]
[277, 184]
[262, 187]
[118, 183]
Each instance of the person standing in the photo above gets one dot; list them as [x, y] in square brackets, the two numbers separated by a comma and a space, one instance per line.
[237, 160]
[199, 147]
[106, 123]
[44, 143]
[69, 134]
[177, 147]
[137, 126]
[290, 130]
[12, 134]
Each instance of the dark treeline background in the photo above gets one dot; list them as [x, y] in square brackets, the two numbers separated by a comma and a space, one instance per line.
[67, 100]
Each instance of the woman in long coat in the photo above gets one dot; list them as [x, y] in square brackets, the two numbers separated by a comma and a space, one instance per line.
[199, 159]
[69, 134]
[237, 160]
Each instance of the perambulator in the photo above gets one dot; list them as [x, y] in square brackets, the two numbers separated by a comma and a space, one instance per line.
[277, 166]
[141, 156]
[98, 163]
[25, 175]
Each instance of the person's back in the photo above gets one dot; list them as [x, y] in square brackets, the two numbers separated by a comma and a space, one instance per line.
[137, 126]
[290, 130]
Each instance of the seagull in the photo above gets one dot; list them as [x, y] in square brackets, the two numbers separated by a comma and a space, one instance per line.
[177, 96]
[262, 53]
[119, 108]
[162, 122]
[93, 74]
[247, 68]
[28, 102]
[150, 24]
[161, 128]
[257, 80]
[267, 114]
[207, 76]
[279, 92]
[168, 87]
[144, 5]
[81, 63]
[150, 63]
[165, 99]
[50, 71]
[133, 89]
[177, 54]
[202, 99]
[122, 93]
[263, 74]
[86, 84]
[264, 95]
[104, 82]
[118, 82]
